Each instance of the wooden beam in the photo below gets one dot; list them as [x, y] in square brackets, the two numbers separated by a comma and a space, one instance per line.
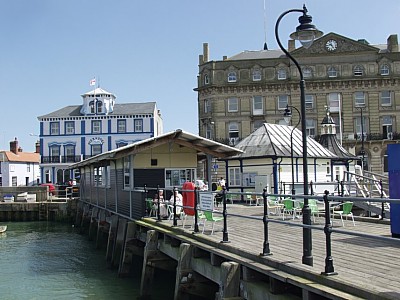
[230, 279]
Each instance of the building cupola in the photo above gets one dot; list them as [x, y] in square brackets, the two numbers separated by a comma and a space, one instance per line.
[328, 124]
[98, 102]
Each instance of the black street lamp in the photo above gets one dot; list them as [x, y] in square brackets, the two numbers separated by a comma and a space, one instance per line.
[362, 152]
[287, 116]
[305, 33]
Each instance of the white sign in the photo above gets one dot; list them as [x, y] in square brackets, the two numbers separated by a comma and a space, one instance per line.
[207, 201]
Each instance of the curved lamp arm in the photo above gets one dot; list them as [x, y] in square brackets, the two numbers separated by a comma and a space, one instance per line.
[304, 11]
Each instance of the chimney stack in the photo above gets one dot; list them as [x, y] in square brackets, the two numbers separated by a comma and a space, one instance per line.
[392, 43]
[37, 147]
[205, 52]
[14, 146]
[291, 45]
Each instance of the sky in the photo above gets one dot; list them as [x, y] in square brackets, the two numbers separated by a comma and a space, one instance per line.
[145, 51]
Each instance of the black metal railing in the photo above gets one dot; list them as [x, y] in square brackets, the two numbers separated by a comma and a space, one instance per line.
[327, 199]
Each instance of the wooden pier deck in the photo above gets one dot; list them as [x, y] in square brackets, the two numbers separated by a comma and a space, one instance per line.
[367, 268]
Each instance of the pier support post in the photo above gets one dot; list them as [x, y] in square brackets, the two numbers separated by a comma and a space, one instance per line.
[148, 270]
[111, 238]
[101, 227]
[230, 280]
[183, 269]
[127, 251]
[119, 242]
[93, 223]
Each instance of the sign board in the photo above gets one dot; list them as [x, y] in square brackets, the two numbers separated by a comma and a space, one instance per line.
[207, 201]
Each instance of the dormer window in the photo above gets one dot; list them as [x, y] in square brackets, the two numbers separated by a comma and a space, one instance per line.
[91, 105]
[307, 72]
[358, 70]
[232, 76]
[281, 74]
[99, 107]
[332, 72]
[385, 70]
[256, 75]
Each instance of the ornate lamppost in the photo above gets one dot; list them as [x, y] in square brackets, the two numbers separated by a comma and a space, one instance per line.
[306, 33]
[287, 116]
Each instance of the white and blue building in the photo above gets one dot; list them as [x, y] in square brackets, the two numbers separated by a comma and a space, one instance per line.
[77, 132]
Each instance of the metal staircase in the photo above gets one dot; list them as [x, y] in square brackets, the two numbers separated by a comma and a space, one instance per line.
[368, 185]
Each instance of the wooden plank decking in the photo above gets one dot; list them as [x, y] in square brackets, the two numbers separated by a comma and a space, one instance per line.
[370, 265]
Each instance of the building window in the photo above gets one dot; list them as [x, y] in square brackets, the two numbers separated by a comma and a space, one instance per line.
[234, 177]
[283, 101]
[334, 102]
[233, 104]
[177, 177]
[28, 167]
[387, 127]
[282, 74]
[69, 127]
[96, 126]
[207, 106]
[138, 124]
[96, 149]
[258, 107]
[233, 133]
[121, 144]
[54, 128]
[1, 181]
[98, 172]
[359, 99]
[99, 107]
[232, 76]
[332, 72]
[206, 79]
[386, 98]
[127, 172]
[69, 152]
[360, 127]
[14, 181]
[257, 124]
[385, 70]
[309, 101]
[358, 70]
[91, 105]
[54, 153]
[209, 131]
[121, 126]
[338, 125]
[256, 75]
[307, 72]
[310, 127]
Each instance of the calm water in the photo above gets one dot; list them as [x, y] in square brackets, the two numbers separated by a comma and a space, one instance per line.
[51, 261]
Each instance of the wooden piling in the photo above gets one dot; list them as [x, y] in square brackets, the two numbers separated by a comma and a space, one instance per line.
[148, 269]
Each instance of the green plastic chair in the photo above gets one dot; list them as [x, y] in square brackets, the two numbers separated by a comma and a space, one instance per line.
[209, 217]
[346, 211]
[151, 207]
[288, 207]
[312, 203]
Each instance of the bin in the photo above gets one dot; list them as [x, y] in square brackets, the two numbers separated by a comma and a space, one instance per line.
[393, 151]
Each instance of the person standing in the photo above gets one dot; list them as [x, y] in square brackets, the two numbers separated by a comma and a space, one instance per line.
[221, 182]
